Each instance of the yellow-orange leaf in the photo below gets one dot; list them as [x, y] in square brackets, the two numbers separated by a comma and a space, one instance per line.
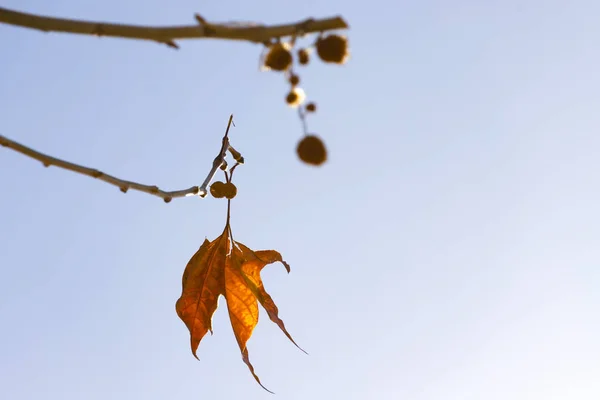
[228, 268]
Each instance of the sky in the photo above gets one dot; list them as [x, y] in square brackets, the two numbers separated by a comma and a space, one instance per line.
[448, 249]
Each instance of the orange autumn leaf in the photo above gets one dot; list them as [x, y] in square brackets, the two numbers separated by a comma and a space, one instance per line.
[227, 268]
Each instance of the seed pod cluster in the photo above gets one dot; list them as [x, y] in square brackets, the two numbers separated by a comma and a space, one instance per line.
[223, 189]
[280, 57]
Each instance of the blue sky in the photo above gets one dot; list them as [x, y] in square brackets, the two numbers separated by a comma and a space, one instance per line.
[447, 250]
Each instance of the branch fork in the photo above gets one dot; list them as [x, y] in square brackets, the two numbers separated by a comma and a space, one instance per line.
[125, 185]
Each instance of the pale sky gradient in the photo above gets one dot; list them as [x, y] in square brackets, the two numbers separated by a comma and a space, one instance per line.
[449, 249]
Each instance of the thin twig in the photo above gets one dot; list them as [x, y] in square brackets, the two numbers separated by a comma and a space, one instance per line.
[219, 160]
[302, 115]
[124, 185]
[168, 34]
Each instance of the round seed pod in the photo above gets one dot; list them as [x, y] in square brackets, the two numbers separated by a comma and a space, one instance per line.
[303, 57]
[332, 49]
[291, 98]
[217, 189]
[294, 79]
[230, 190]
[311, 107]
[295, 97]
[311, 150]
[279, 57]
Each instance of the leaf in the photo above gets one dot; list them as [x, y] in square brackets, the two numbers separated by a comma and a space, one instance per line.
[202, 284]
[228, 268]
[254, 262]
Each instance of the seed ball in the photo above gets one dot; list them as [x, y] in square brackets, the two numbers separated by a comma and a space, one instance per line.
[291, 98]
[311, 107]
[279, 57]
[332, 49]
[230, 190]
[295, 97]
[294, 79]
[217, 189]
[311, 150]
[303, 57]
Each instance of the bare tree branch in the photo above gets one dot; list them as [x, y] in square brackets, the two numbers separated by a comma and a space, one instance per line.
[124, 185]
[168, 34]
